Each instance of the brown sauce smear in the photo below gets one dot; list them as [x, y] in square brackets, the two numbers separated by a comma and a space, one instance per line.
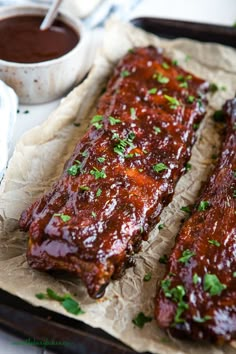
[22, 41]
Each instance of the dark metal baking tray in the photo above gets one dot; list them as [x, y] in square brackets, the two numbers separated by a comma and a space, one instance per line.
[27, 321]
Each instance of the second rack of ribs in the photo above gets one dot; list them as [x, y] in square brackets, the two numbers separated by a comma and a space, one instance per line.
[121, 174]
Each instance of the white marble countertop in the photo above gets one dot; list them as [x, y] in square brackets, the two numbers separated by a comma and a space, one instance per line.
[208, 11]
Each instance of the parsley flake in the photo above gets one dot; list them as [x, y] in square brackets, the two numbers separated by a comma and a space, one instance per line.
[165, 66]
[84, 188]
[122, 144]
[152, 91]
[203, 206]
[95, 121]
[202, 319]
[175, 62]
[157, 130]
[213, 285]
[213, 87]
[190, 99]
[234, 274]
[63, 217]
[161, 226]
[114, 121]
[125, 73]
[93, 214]
[214, 242]
[74, 169]
[161, 78]
[133, 113]
[69, 304]
[98, 174]
[141, 319]
[186, 209]
[101, 159]
[99, 192]
[163, 259]
[186, 255]
[159, 167]
[219, 116]
[147, 276]
[196, 279]
[188, 166]
[173, 102]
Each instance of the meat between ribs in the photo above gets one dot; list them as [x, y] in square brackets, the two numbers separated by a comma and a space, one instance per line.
[121, 174]
[198, 294]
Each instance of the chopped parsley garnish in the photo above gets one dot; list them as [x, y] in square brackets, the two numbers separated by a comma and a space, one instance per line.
[141, 319]
[173, 102]
[114, 121]
[77, 124]
[26, 112]
[95, 121]
[165, 66]
[125, 73]
[213, 285]
[97, 118]
[175, 62]
[186, 255]
[187, 58]
[190, 99]
[183, 84]
[214, 242]
[188, 166]
[204, 205]
[63, 217]
[133, 113]
[159, 167]
[84, 188]
[161, 78]
[186, 209]
[163, 259]
[123, 143]
[69, 304]
[177, 295]
[152, 91]
[147, 276]
[202, 319]
[99, 192]
[196, 279]
[93, 214]
[98, 174]
[213, 87]
[234, 173]
[157, 130]
[74, 169]
[85, 153]
[161, 226]
[234, 274]
[234, 193]
[219, 116]
[101, 159]
[131, 51]
[195, 126]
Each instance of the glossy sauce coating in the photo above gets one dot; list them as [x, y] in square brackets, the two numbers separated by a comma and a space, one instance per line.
[21, 40]
[210, 235]
[123, 192]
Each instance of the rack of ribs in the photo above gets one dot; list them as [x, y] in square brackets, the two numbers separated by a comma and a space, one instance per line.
[197, 297]
[121, 174]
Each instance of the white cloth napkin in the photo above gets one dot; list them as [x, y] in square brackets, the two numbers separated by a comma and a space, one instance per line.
[8, 111]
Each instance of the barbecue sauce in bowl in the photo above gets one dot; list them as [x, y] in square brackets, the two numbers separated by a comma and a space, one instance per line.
[21, 40]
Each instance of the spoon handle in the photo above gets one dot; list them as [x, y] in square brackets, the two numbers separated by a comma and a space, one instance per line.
[51, 15]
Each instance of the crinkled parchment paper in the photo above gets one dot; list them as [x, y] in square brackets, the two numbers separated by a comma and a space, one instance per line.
[38, 161]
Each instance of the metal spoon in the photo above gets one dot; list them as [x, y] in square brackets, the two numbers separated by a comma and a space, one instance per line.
[51, 15]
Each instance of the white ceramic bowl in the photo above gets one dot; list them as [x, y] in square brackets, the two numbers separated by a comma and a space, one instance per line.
[45, 81]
